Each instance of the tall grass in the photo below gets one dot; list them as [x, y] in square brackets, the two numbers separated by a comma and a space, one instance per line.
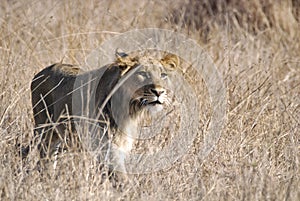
[255, 46]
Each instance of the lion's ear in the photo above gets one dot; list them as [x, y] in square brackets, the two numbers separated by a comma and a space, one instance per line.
[125, 62]
[120, 54]
[170, 61]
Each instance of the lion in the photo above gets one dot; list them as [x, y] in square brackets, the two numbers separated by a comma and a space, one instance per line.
[119, 96]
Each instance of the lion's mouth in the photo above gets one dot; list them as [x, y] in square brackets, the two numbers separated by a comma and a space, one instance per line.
[157, 102]
[145, 102]
[152, 104]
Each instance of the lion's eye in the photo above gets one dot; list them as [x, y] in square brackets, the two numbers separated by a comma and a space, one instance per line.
[164, 76]
[142, 75]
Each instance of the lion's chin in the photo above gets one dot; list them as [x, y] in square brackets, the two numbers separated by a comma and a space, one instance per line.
[154, 108]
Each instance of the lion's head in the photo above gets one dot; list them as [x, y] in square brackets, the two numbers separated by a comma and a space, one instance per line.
[145, 89]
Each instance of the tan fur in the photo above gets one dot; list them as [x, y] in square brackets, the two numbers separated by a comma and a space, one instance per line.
[66, 69]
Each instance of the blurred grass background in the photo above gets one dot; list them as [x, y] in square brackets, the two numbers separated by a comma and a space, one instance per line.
[255, 46]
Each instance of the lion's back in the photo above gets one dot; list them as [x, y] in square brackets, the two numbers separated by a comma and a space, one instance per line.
[49, 89]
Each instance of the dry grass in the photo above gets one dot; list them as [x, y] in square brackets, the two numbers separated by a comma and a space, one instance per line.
[255, 45]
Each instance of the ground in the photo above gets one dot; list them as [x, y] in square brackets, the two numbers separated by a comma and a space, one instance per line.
[254, 45]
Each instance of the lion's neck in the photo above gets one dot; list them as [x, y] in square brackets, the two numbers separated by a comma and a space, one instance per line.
[123, 143]
[126, 135]
[127, 132]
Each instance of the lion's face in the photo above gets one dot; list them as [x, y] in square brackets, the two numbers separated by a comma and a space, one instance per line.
[146, 91]
[151, 84]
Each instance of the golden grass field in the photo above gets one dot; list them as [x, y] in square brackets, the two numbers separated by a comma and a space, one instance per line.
[255, 46]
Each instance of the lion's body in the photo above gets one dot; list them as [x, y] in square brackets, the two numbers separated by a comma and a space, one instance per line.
[52, 99]
[58, 92]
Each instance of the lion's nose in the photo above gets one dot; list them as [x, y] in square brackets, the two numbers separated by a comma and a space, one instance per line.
[158, 92]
